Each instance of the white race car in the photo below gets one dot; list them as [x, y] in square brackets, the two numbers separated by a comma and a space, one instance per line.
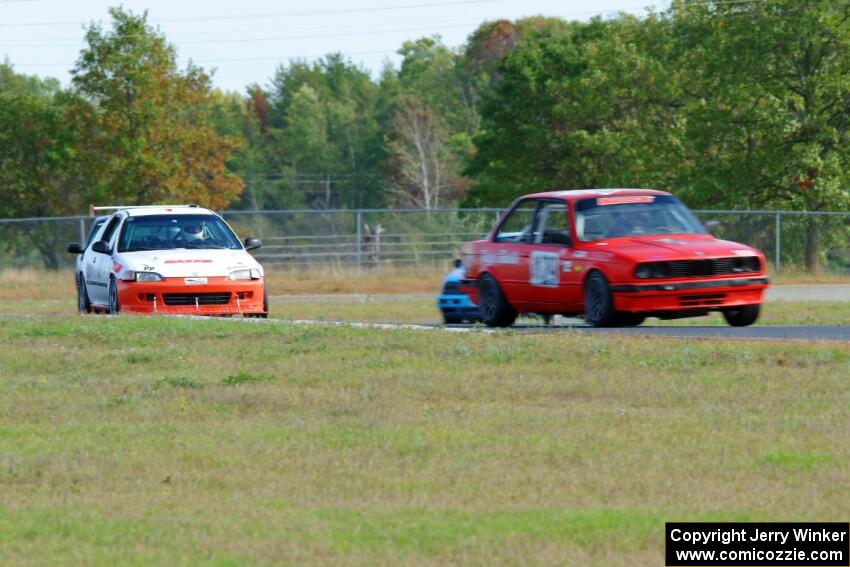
[172, 260]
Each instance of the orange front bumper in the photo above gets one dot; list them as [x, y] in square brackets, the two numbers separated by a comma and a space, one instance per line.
[171, 296]
[689, 295]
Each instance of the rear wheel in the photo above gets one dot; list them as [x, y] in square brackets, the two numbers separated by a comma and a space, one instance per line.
[598, 304]
[114, 307]
[83, 303]
[742, 316]
[494, 306]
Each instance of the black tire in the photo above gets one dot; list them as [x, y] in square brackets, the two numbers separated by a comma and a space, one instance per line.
[494, 306]
[626, 319]
[114, 307]
[449, 320]
[598, 304]
[265, 303]
[83, 303]
[742, 316]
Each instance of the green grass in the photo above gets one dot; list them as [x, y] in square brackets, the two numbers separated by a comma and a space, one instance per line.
[136, 440]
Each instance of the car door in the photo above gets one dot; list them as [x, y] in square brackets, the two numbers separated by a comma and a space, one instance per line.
[98, 265]
[506, 257]
[553, 282]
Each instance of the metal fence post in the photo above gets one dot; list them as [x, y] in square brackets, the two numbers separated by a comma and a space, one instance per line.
[82, 231]
[358, 218]
[778, 252]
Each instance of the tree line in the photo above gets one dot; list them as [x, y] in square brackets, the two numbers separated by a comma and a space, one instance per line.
[740, 104]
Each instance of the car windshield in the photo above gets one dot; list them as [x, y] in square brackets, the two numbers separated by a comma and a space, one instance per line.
[633, 215]
[170, 232]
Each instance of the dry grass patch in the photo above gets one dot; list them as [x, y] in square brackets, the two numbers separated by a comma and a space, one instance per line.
[31, 284]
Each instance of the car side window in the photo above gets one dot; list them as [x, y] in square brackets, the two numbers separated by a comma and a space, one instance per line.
[109, 232]
[518, 225]
[553, 225]
[94, 230]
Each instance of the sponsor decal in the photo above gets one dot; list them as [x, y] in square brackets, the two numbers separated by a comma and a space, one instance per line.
[626, 200]
[580, 254]
[544, 269]
[578, 268]
[148, 268]
[195, 281]
[116, 267]
[503, 257]
[566, 266]
[189, 261]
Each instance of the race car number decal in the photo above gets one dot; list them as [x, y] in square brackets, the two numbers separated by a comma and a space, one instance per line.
[544, 269]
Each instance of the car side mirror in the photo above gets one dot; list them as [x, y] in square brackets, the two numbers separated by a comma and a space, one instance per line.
[101, 247]
[75, 248]
[458, 263]
[711, 225]
[253, 243]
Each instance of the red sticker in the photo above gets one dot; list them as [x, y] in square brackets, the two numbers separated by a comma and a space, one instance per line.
[628, 200]
[116, 267]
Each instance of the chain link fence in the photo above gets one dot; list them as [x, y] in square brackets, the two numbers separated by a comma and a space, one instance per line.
[372, 237]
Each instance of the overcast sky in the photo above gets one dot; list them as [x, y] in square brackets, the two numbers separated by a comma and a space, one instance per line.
[245, 40]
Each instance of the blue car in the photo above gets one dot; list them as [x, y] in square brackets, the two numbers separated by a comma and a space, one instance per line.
[454, 304]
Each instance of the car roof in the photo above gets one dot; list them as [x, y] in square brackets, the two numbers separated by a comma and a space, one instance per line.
[575, 194]
[181, 210]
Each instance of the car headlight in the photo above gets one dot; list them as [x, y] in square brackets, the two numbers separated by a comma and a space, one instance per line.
[643, 271]
[252, 274]
[133, 276]
[652, 270]
[746, 264]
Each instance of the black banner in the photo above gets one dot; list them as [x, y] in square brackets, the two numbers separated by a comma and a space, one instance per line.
[762, 544]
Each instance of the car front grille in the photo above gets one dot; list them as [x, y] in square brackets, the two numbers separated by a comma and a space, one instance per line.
[176, 299]
[699, 268]
[702, 268]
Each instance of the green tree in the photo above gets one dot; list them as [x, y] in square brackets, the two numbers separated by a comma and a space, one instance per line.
[768, 105]
[147, 127]
[328, 106]
[577, 105]
[38, 166]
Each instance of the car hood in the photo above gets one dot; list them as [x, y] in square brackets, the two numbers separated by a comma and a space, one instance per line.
[181, 263]
[674, 247]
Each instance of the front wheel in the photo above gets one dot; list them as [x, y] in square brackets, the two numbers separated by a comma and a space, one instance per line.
[114, 307]
[494, 306]
[742, 316]
[598, 304]
[83, 303]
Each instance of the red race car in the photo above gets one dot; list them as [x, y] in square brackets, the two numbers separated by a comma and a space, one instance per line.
[618, 256]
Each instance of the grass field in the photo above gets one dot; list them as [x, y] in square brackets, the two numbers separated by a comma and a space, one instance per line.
[139, 440]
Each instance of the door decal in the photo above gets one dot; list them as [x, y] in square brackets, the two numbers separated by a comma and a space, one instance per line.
[544, 269]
